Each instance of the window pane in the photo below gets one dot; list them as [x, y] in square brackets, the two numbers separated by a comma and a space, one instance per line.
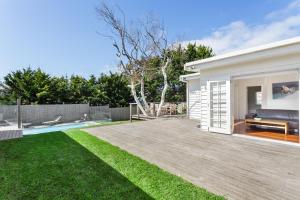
[258, 98]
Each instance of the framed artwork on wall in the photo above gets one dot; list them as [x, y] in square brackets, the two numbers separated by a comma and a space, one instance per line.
[285, 90]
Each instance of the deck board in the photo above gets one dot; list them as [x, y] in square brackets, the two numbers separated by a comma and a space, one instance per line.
[236, 167]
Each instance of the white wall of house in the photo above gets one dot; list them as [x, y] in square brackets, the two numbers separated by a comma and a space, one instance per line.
[257, 66]
[204, 106]
[278, 58]
[240, 93]
[194, 103]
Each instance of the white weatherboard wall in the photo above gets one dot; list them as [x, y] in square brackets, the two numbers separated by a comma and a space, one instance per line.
[279, 57]
[204, 106]
[194, 103]
[240, 92]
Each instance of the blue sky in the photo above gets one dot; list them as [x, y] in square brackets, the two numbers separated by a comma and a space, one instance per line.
[60, 36]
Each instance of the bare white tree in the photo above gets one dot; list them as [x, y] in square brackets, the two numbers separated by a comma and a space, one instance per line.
[144, 46]
[135, 45]
[155, 31]
[127, 45]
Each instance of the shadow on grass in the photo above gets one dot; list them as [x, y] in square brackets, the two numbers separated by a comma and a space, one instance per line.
[54, 166]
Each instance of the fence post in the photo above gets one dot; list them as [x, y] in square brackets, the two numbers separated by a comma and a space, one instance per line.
[19, 112]
[130, 112]
[137, 111]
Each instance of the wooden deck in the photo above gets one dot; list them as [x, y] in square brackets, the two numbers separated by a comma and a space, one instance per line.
[10, 132]
[238, 168]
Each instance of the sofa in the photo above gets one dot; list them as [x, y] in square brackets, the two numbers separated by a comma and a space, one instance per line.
[292, 116]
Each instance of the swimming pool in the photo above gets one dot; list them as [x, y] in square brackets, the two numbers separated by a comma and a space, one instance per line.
[59, 127]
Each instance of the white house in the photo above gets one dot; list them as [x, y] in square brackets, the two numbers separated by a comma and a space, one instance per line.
[223, 89]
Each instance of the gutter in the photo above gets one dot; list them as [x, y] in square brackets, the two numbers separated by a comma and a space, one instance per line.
[186, 78]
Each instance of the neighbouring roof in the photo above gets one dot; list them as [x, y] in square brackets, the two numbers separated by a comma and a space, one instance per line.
[279, 48]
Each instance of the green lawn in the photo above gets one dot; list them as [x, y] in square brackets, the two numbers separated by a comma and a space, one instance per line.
[75, 165]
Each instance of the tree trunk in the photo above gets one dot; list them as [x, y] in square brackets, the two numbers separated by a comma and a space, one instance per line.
[143, 96]
[163, 93]
[133, 92]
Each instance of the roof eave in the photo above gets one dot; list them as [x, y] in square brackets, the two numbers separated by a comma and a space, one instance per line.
[185, 78]
[256, 53]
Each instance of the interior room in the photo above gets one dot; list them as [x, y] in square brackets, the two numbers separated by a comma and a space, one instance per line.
[267, 106]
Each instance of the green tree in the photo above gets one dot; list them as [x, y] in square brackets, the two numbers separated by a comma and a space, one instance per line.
[30, 85]
[78, 89]
[177, 89]
[59, 90]
[115, 90]
[37, 87]
[192, 52]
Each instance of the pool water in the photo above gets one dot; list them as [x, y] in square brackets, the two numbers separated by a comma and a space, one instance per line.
[60, 127]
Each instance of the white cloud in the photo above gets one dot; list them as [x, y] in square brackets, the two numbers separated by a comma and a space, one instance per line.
[278, 25]
[287, 11]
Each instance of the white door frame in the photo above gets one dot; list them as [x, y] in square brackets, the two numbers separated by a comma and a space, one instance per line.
[299, 104]
[228, 129]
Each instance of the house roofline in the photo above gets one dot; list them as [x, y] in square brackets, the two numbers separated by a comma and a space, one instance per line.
[241, 55]
[185, 78]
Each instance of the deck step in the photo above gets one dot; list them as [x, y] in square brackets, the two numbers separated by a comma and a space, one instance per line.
[143, 117]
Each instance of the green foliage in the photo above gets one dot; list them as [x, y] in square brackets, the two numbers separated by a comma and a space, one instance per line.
[177, 89]
[30, 85]
[76, 165]
[37, 87]
[115, 90]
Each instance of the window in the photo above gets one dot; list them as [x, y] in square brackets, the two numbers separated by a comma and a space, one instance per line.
[258, 98]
